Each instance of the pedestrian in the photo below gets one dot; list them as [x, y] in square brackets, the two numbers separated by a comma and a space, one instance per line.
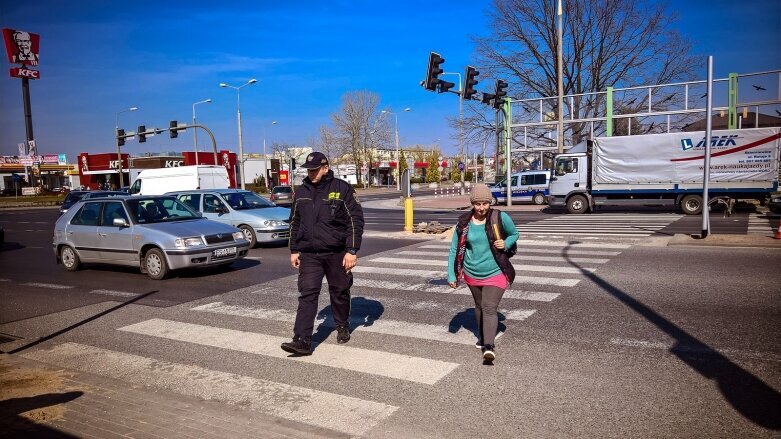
[480, 251]
[326, 225]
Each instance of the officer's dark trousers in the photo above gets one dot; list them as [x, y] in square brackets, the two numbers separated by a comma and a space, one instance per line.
[310, 280]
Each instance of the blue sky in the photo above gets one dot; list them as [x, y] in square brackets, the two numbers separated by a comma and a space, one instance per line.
[99, 57]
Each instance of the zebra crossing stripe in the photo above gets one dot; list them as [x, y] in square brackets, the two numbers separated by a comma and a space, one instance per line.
[50, 286]
[520, 267]
[345, 414]
[445, 289]
[524, 257]
[539, 243]
[379, 326]
[429, 274]
[398, 366]
[114, 293]
[521, 251]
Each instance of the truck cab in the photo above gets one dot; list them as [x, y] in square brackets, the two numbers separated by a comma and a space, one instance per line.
[569, 183]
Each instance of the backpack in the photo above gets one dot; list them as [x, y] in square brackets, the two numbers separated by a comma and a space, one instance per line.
[513, 249]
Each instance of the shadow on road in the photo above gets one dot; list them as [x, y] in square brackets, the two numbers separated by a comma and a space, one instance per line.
[747, 394]
[466, 319]
[363, 312]
[81, 323]
[12, 424]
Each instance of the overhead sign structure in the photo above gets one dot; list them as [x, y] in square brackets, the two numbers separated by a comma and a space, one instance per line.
[22, 47]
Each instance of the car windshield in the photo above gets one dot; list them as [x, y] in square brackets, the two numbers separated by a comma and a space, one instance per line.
[246, 200]
[159, 209]
[282, 190]
[74, 197]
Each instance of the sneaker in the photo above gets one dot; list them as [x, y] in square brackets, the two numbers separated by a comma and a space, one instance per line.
[342, 334]
[488, 353]
[299, 345]
[479, 345]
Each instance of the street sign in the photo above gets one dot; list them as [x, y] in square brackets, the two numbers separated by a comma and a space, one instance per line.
[461, 166]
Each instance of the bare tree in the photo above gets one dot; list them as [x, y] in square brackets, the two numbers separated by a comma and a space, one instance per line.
[606, 43]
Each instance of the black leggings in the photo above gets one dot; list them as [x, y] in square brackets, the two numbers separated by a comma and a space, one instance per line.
[486, 303]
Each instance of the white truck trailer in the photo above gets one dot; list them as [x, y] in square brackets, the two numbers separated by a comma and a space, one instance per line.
[659, 169]
[180, 178]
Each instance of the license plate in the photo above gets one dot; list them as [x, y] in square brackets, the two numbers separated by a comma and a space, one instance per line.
[220, 252]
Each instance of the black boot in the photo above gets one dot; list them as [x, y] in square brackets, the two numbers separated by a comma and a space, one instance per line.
[299, 346]
[342, 334]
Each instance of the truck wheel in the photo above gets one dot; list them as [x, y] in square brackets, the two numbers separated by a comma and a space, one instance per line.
[156, 265]
[538, 198]
[70, 260]
[691, 204]
[577, 204]
[249, 234]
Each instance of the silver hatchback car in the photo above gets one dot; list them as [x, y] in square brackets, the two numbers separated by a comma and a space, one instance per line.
[157, 234]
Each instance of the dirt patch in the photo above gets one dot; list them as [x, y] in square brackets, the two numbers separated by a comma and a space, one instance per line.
[30, 396]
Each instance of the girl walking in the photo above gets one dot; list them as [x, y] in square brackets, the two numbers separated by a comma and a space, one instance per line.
[483, 242]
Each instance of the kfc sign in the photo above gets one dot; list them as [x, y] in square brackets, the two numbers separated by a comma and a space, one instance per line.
[18, 72]
[174, 163]
[22, 47]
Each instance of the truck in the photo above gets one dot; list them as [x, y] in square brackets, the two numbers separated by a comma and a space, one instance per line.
[667, 169]
[180, 178]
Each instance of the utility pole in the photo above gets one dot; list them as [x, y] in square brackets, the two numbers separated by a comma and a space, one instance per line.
[560, 58]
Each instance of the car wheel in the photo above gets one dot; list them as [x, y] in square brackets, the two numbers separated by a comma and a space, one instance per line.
[70, 260]
[539, 198]
[691, 204]
[577, 204]
[156, 266]
[249, 234]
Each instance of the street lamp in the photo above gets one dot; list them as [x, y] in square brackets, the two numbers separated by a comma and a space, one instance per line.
[195, 130]
[264, 139]
[398, 155]
[119, 151]
[238, 116]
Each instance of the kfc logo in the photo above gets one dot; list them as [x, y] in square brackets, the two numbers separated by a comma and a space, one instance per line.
[22, 47]
[17, 72]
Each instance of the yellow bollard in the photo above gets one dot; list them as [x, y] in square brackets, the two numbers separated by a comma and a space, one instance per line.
[408, 214]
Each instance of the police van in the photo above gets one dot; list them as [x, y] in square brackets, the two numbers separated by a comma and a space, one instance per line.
[531, 186]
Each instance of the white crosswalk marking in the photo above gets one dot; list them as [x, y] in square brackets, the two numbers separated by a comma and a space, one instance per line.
[114, 293]
[446, 289]
[540, 243]
[341, 413]
[402, 367]
[524, 257]
[763, 224]
[429, 274]
[602, 225]
[520, 267]
[49, 286]
[380, 326]
[523, 251]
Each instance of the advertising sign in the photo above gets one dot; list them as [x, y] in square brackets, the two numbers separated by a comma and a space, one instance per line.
[18, 72]
[283, 178]
[21, 47]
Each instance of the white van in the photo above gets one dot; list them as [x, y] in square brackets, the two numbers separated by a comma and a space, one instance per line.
[180, 178]
[531, 186]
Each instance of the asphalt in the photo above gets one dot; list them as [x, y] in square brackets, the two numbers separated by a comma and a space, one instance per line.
[461, 202]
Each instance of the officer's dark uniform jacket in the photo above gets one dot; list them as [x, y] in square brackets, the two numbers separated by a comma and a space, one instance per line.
[325, 217]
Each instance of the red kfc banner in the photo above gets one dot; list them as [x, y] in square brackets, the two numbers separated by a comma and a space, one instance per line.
[18, 72]
[22, 47]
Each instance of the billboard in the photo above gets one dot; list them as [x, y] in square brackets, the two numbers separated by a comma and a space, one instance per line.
[21, 47]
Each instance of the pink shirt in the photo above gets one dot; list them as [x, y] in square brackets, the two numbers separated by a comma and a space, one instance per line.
[497, 280]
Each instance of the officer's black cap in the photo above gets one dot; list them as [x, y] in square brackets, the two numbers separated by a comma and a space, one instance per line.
[315, 160]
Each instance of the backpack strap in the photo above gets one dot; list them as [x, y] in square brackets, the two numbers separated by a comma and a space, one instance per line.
[497, 223]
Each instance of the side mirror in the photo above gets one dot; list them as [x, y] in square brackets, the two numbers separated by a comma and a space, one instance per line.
[120, 222]
[553, 179]
[199, 214]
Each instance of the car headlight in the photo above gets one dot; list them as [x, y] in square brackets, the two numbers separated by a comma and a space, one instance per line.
[188, 242]
[274, 223]
[238, 236]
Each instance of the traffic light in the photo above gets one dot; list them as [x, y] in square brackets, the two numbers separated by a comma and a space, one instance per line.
[141, 133]
[500, 93]
[488, 99]
[120, 136]
[433, 71]
[172, 129]
[444, 86]
[470, 82]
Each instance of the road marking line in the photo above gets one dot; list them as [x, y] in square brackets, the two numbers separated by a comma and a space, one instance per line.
[428, 274]
[379, 326]
[50, 286]
[521, 267]
[521, 251]
[524, 257]
[533, 242]
[402, 367]
[5, 280]
[114, 293]
[445, 289]
[346, 414]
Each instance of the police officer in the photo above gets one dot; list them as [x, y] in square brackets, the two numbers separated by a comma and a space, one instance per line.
[326, 224]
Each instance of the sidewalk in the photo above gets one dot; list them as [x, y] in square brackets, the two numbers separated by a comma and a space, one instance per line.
[38, 400]
[461, 202]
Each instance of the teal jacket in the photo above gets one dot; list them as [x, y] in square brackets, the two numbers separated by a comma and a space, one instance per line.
[479, 262]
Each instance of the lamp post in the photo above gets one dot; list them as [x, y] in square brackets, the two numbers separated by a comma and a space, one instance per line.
[264, 139]
[195, 131]
[238, 117]
[398, 154]
[119, 150]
